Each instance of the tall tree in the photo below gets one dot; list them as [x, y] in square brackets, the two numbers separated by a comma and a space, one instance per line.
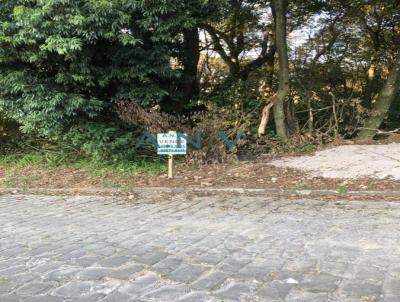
[245, 27]
[190, 61]
[382, 104]
[281, 45]
[187, 51]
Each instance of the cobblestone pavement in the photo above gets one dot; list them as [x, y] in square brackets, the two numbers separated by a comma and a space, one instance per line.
[202, 249]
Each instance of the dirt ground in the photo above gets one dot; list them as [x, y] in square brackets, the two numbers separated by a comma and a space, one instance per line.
[251, 174]
[260, 173]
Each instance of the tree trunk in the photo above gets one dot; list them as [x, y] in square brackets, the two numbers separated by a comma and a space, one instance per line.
[281, 46]
[383, 102]
[292, 125]
[371, 85]
[190, 61]
[310, 115]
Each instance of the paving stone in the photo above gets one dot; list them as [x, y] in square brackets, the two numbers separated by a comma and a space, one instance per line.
[196, 297]
[394, 270]
[370, 273]
[187, 273]
[209, 248]
[24, 278]
[234, 290]
[284, 275]
[105, 251]
[33, 288]
[360, 288]
[72, 256]
[73, 289]
[388, 299]
[86, 260]
[125, 272]
[347, 299]
[260, 270]
[105, 287]
[10, 298]
[89, 298]
[114, 261]
[391, 287]
[274, 290]
[6, 286]
[303, 265]
[116, 297]
[332, 268]
[320, 283]
[210, 258]
[345, 253]
[9, 272]
[151, 258]
[94, 273]
[63, 273]
[14, 251]
[232, 265]
[296, 295]
[167, 265]
[44, 299]
[140, 285]
[168, 293]
[209, 281]
[9, 263]
[45, 267]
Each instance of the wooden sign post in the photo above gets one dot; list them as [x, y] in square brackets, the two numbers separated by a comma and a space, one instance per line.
[170, 166]
[171, 161]
[168, 144]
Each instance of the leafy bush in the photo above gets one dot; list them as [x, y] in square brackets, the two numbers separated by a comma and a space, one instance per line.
[102, 142]
[65, 63]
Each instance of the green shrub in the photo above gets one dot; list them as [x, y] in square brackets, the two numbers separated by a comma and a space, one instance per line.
[102, 142]
[308, 148]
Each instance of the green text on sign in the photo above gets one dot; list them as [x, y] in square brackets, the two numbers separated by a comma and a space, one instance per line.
[171, 144]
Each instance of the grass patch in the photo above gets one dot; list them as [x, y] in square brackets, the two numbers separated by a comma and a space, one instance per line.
[124, 168]
[343, 190]
[300, 186]
[65, 160]
[308, 148]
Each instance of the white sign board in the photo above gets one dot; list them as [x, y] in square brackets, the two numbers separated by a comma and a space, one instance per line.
[168, 144]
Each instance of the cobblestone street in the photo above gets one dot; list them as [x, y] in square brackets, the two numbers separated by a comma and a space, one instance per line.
[200, 249]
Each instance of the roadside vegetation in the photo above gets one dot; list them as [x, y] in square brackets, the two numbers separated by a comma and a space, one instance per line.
[61, 160]
[81, 80]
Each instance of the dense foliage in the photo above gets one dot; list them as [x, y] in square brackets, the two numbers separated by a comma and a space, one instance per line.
[66, 65]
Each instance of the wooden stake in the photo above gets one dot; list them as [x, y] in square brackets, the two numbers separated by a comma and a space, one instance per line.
[171, 161]
[170, 166]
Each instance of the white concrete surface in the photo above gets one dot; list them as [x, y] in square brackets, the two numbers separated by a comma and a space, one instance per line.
[349, 162]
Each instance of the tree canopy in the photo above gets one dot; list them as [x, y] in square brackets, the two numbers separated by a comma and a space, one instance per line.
[67, 66]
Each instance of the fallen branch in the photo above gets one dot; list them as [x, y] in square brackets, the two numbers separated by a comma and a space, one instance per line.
[265, 115]
[378, 131]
